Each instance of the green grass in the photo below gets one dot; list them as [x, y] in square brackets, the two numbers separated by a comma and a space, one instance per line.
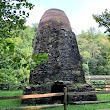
[83, 107]
[10, 103]
[17, 103]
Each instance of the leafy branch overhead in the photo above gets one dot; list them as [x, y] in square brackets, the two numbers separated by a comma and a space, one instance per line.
[13, 15]
[103, 20]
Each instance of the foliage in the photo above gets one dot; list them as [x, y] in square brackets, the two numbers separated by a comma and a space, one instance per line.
[103, 20]
[11, 62]
[16, 59]
[100, 84]
[13, 15]
[94, 48]
[35, 27]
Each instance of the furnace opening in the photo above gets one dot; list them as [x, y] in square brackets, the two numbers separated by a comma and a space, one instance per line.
[57, 87]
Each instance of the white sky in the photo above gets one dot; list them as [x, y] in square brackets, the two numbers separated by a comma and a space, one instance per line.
[79, 12]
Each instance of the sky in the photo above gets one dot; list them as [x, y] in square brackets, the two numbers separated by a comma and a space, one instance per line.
[79, 12]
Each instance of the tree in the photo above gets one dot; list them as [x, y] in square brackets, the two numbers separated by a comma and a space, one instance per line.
[103, 20]
[35, 27]
[16, 59]
[94, 48]
[13, 15]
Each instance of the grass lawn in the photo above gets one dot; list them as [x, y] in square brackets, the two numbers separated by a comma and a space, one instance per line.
[10, 103]
[17, 102]
[83, 107]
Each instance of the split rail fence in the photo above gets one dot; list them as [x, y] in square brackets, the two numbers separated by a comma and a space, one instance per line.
[55, 94]
[65, 94]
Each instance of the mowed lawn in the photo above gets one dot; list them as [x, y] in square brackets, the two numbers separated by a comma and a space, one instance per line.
[17, 103]
[10, 103]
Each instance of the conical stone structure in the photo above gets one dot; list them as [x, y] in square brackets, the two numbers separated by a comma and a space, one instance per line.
[63, 69]
[56, 38]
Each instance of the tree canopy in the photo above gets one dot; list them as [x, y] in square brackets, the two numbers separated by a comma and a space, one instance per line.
[13, 15]
[16, 59]
[95, 52]
[103, 20]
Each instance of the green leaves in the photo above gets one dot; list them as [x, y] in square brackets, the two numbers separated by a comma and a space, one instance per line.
[40, 58]
[13, 16]
[95, 50]
[16, 59]
[10, 44]
[13, 52]
[103, 20]
[36, 60]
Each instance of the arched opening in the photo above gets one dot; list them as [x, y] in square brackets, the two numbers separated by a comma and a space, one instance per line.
[57, 87]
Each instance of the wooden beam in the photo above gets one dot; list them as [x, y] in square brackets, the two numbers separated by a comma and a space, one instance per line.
[53, 94]
[88, 93]
[65, 98]
[35, 107]
[98, 77]
[32, 96]
[90, 102]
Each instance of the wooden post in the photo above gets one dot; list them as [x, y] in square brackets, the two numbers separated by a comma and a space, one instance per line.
[65, 98]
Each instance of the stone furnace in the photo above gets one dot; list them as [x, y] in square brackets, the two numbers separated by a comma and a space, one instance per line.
[55, 37]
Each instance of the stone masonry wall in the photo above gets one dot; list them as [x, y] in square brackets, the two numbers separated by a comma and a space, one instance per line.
[64, 58]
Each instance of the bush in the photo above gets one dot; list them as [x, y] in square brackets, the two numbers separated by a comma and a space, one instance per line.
[98, 83]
